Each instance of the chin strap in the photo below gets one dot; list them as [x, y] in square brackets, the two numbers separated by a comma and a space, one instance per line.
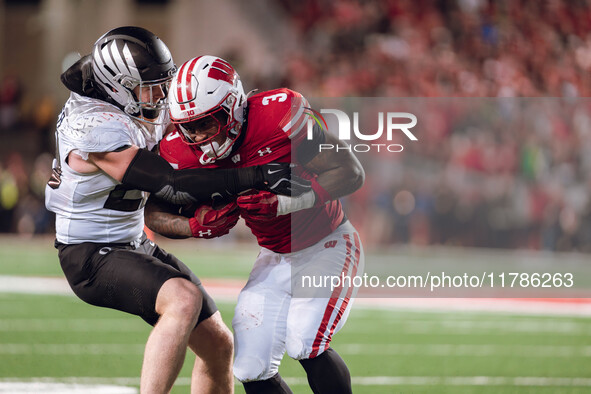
[251, 93]
[240, 113]
[205, 160]
[212, 148]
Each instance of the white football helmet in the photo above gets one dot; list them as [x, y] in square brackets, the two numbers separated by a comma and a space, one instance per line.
[206, 90]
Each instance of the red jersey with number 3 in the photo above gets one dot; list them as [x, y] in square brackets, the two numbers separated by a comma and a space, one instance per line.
[276, 123]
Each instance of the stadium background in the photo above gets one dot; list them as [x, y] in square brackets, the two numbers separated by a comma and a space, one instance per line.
[464, 194]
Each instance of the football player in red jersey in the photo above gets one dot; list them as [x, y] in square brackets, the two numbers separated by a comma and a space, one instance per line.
[217, 126]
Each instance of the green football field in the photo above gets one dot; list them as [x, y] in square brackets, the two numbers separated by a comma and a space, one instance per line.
[59, 339]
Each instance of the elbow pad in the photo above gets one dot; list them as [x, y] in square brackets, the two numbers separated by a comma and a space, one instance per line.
[150, 172]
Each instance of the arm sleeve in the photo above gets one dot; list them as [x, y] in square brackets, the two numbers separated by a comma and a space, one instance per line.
[150, 172]
[307, 149]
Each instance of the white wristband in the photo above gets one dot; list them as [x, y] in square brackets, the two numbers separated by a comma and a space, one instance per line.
[287, 204]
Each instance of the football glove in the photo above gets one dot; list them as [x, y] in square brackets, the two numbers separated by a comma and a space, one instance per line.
[279, 179]
[263, 204]
[208, 222]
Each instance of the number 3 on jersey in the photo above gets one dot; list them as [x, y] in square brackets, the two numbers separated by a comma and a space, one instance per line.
[279, 97]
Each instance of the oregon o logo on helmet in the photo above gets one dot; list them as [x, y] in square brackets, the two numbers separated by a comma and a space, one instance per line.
[393, 124]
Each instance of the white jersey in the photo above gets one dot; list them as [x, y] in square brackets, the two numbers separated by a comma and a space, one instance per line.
[94, 207]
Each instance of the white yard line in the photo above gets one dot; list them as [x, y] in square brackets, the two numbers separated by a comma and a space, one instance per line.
[18, 387]
[70, 349]
[495, 305]
[448, 327]
[81, 325]
[476, 324]
[527, 381]
[34, 285]
[492, 327]
[471, 381]
[481, 350]
[431, 349]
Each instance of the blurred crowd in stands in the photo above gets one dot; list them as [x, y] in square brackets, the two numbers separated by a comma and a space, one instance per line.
[441, 48]
[505, 171]
[521, 179]
[26, 131]
[485, 172]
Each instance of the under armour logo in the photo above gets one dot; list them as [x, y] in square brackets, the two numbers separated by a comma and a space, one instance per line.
[208, 232]
[236, 158]
[330, 244]
[263, 152]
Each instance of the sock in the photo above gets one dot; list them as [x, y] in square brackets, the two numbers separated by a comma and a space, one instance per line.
[273, 385]
[328, 373]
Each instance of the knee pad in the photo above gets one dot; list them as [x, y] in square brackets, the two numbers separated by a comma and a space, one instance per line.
[248, 368]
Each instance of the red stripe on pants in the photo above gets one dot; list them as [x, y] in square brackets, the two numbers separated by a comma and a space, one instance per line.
[331, 304]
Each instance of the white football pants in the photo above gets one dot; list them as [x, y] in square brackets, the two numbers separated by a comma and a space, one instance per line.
[268, 320]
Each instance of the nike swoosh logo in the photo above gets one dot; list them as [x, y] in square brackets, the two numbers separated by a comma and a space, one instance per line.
[273, 172]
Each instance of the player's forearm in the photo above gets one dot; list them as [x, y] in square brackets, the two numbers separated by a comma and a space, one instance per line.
[163, 222]
[170, 226]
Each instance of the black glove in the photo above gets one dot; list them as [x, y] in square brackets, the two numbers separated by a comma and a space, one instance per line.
[279, 179]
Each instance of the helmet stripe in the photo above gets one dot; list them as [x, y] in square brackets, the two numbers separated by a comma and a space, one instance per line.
[221, 71]
[184, 74]
[179, 83]
[99, 65]
[223, 66]
[132, 67]
[107, 56]
[121, 65]
[189, 83]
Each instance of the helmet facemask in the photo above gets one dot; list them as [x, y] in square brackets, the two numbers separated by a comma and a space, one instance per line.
[147, 99]
[218, 119]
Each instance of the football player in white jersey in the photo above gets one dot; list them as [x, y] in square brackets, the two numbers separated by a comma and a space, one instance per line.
[115, 115]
